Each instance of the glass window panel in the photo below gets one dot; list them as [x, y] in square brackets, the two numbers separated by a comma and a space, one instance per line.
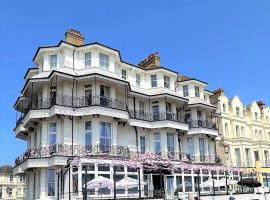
[185, 91]
[157, 142]
[87, 59]
[103, 61]
[53, 61]
[154, 80]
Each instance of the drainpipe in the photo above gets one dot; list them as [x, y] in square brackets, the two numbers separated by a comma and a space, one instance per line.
[135, 128]
[72, 123]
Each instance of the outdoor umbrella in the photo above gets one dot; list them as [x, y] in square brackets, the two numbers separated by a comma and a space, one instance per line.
[249, 182]
[100, 182]
[209, 183]
[222, 182]
[128, 182]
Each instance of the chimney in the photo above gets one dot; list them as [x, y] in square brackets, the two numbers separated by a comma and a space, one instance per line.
[74, 37]
[218, 92]
[261, 104]
[151, 62]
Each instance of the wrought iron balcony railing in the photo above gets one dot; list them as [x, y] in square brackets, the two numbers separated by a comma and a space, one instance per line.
[109, 151]
[96, 100]
[68, 101]
[201, 124]
[159, 116]
[201, 158]
[77, 150]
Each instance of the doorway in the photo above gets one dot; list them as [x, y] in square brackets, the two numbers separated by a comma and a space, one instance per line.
[158, 184]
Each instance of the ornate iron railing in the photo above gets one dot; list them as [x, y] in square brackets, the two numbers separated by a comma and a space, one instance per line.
[108, 151]
[77, 150]
[68, 101]
[202, 124]
[159, 116]
[201, 158]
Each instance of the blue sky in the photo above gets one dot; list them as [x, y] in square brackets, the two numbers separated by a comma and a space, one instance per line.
[225, 43]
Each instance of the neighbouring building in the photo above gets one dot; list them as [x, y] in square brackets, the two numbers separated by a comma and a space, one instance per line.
[11, 186]
[246, 130]
[83, 101]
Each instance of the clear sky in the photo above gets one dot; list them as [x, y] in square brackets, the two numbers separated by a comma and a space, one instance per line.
[225, 43]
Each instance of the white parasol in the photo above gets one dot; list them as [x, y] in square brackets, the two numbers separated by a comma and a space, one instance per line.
[128, 182]
[100, 182]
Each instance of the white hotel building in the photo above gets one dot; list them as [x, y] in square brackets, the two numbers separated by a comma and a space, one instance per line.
[83, 100]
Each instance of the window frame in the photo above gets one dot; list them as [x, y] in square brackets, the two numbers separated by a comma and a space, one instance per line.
[53, 61]
[104, 61]
[153, 80]
[197, 91]
[138, 80]
[185, 90]
[88, 132]
[142, 144]
[124, 75]
[167, 83]
[52, 133]
[51, 183]
[157, 143]
[87, 60]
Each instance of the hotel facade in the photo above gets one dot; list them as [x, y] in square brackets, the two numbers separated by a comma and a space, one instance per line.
[83, 102]
[11, 186]
[246, 131]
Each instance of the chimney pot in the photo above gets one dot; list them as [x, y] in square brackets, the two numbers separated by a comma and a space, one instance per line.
[74, 37]
[151, 62]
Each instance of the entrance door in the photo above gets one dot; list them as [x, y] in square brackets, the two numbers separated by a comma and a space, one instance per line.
[158, 183]
[169, 187]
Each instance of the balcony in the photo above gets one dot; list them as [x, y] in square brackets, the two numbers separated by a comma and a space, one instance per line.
[201, 124]
[202, 127]
[75, 102]
[200, 158]
[109, 151]
[77, 150]
[160, 116]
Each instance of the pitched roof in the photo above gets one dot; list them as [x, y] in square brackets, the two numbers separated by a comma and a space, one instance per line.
[6, 169]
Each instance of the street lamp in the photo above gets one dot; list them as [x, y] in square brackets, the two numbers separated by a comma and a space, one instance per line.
[227, 152]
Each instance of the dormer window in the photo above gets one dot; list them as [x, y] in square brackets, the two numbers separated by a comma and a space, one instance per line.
[87, 59]
[197, 91]
[154, 80]
[185, 91]
[124, 74]
[237, 111]
[53, 61]
[138, 80]
[167, 83]
[103, 61]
